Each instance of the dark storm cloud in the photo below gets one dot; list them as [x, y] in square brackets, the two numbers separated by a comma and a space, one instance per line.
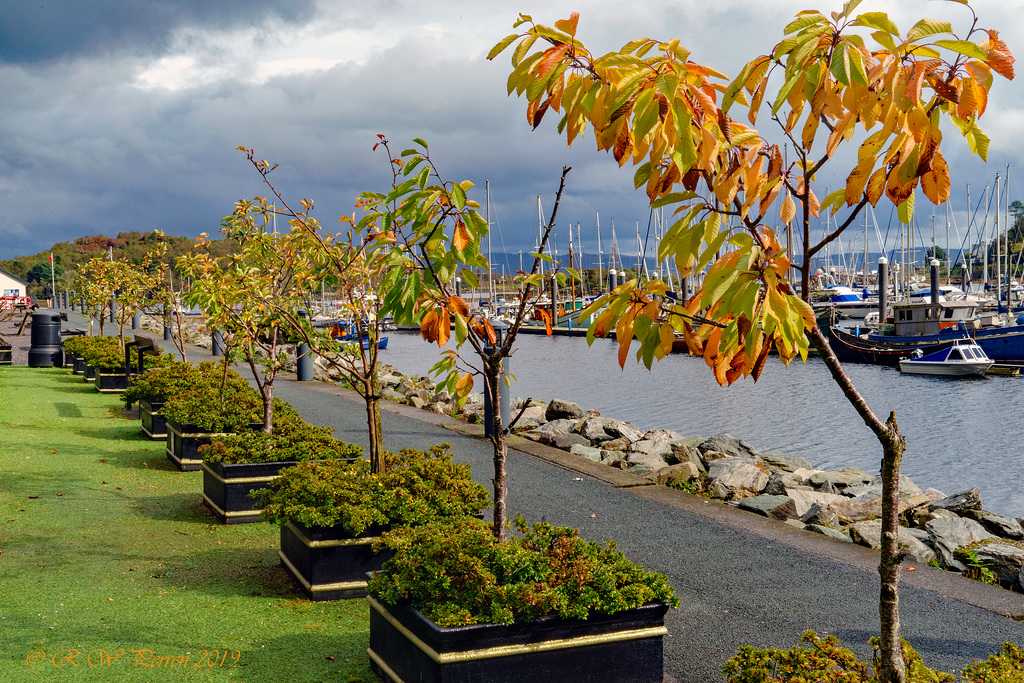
[45, 30]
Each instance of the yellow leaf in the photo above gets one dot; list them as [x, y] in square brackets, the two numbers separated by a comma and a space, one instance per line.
[464, 385]
[461, 238]
[788, 212]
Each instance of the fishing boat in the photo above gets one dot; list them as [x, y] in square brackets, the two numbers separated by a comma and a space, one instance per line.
[963, 358]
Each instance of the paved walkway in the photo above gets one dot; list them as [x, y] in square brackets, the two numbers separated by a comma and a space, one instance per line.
[741, 579]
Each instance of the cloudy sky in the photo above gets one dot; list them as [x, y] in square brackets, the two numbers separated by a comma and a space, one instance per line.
[125, 114]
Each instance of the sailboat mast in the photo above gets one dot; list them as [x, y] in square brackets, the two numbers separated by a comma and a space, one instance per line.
[600, 252]
[540, 233]
[490, 264]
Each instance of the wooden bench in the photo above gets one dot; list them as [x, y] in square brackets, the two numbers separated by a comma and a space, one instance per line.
[143, 346]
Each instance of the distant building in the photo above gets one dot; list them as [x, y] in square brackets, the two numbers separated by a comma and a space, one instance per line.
[11, 285]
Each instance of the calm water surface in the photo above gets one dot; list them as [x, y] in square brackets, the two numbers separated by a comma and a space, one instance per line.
[960, 433]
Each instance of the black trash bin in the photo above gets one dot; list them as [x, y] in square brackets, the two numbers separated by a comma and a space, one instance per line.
[46, 351]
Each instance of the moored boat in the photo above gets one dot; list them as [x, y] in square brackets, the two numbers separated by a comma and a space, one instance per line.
[963, 358]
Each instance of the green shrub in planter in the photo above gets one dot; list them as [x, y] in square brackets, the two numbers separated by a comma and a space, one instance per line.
[291, 442]
[216, 409]
[162, 380]
[828, 662]
[75, 345]
[100, 351]
[333, 512]
[418, 487]
[457, 574]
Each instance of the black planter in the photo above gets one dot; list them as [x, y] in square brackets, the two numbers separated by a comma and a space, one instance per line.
[184, 440]
[70, 361]
[80, 366]
[154, 427]
[328, 562]
[406, 646]
[110, 382]
[90, 373]
[6, 357]
[226, 488]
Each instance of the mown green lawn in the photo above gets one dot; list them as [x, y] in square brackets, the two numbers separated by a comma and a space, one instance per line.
[111, 567]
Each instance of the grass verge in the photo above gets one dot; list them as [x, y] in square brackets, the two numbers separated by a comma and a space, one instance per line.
[112, 568]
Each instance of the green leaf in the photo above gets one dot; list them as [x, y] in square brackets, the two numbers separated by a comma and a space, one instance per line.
[906, 210]
[458, 196]
[784, 91]
[877, 20]
[928, 27]
[964, 47]
[502, 44]
[642, 174]
[840, 66]
[804, 21]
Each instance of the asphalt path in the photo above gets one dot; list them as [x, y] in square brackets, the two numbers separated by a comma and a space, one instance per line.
[741, 579]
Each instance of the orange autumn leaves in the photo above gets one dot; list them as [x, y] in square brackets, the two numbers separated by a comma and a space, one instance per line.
[437, 325]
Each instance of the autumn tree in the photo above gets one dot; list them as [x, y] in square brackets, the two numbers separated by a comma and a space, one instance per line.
[428, 231]
[243, 293]
[834, 79]
[339, 261]
[96, 283]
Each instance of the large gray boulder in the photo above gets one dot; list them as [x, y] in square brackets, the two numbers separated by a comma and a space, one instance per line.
[869, 534]
[742, 474]
[775, 507]
[850, 476]
[1004, 559]
[820, 515]
[1006, 527]
[806, 498]
[787, 463]
[729, 445]
[830, 532]
[663, 435]
[593, 429]
[873, 489]
[586, 452]
[560, 409]
[562, 425]
[859, 509]
[643, 462]
[684, 452]
[674, 475]
[662, 449]
[947, 535]
[960, 503]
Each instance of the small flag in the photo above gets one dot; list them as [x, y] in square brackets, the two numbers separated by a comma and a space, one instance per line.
[51, 257]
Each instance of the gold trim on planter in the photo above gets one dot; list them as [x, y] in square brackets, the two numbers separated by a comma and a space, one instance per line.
[321, 587]
[230, 515]
[364, 540]
[509, 650]
[151, 435]
[180, 461]
[238, 480]
[384, 667]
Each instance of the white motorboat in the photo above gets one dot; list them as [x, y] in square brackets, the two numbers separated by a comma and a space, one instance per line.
[964, 358]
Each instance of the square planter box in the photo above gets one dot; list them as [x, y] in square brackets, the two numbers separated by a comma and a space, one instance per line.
[328, 562]
[70, 359]
[184, 440]
[154, 426]
[406, 646]
[79, 367]
[6, 356]
[107, 382]
[226, 488]
[90, 373]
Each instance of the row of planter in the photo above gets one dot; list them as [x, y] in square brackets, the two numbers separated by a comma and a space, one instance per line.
[339, 522]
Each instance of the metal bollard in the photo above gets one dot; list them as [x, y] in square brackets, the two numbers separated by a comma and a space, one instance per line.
[304, 363]
[217, 347]
[136, 321]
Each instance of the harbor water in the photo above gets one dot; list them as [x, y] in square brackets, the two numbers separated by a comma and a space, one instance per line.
[960, 433]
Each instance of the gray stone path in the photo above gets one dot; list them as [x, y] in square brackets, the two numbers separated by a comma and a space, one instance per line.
[742, 579]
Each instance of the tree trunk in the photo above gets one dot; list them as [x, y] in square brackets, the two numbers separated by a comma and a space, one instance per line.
[892, 669]
[492, 377]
